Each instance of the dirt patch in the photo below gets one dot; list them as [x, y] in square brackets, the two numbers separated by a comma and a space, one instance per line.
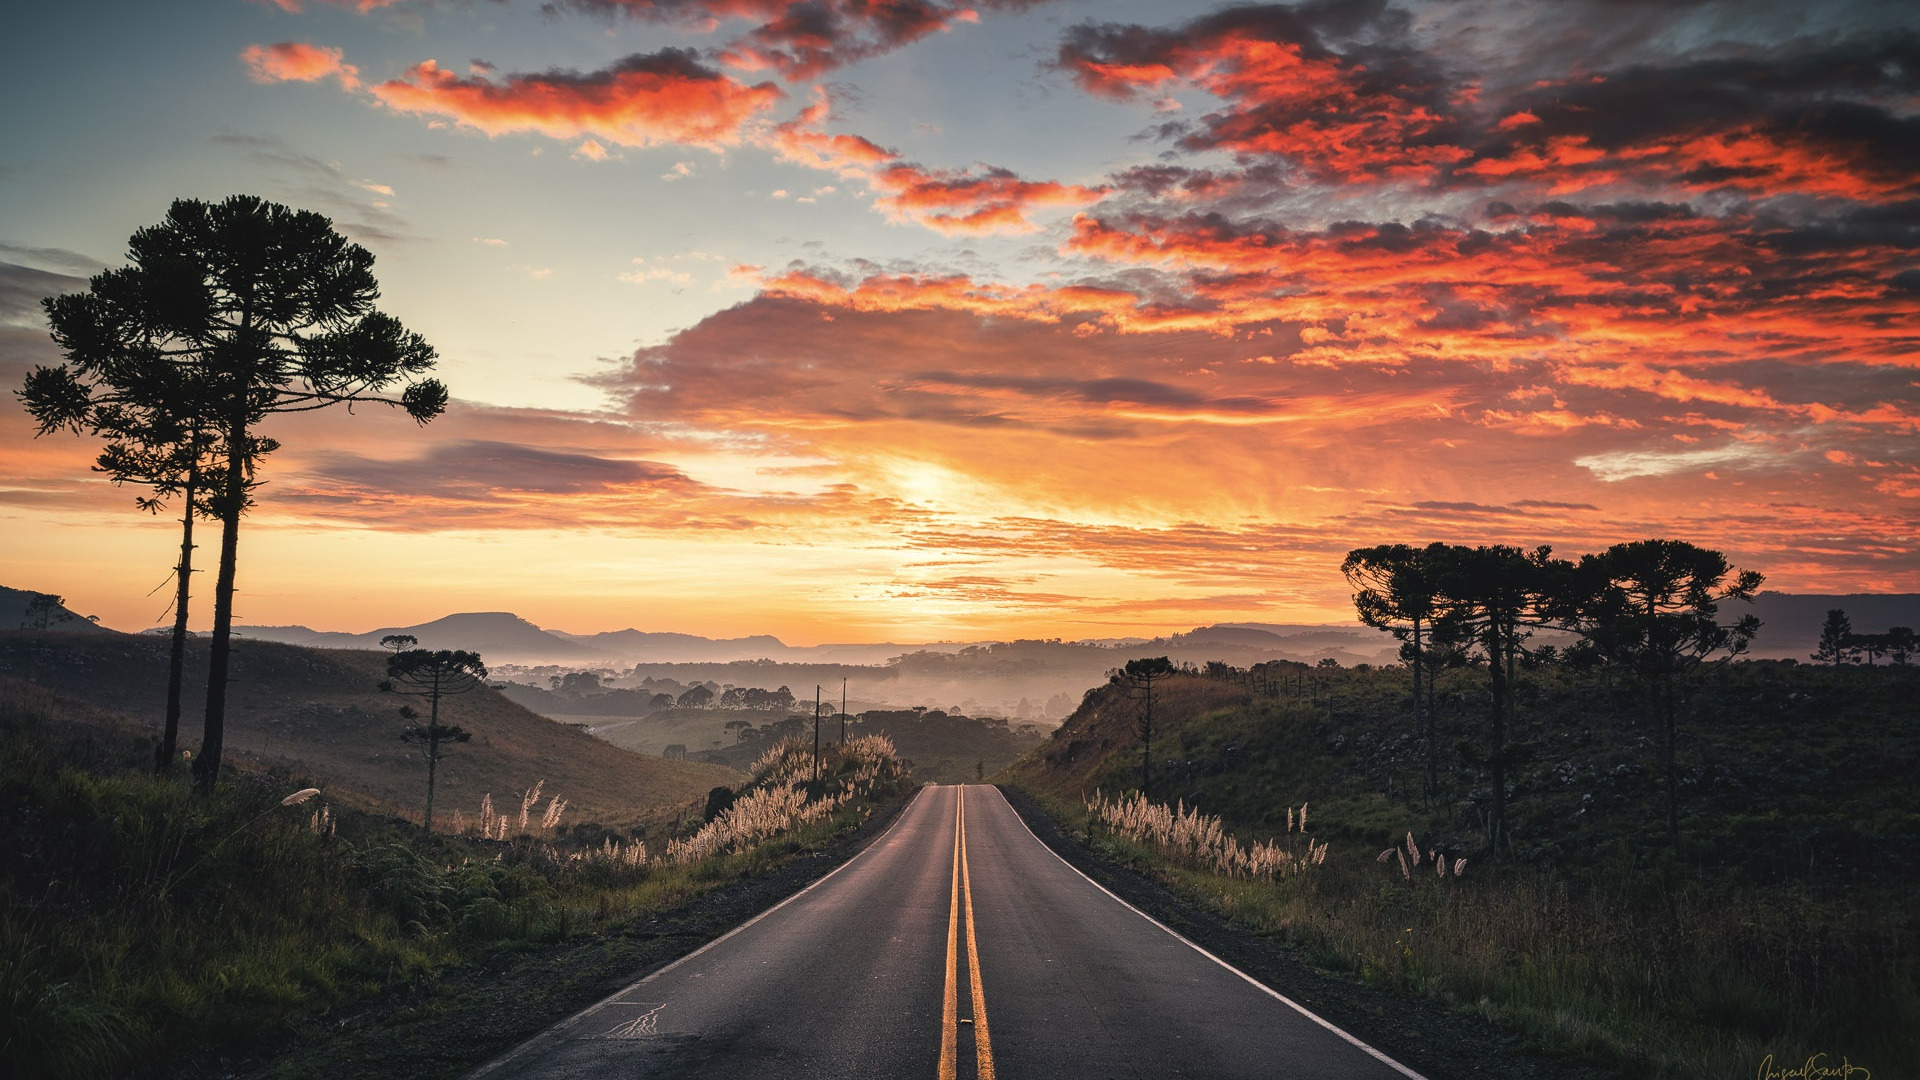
[468, 1015]
[1425, 1035]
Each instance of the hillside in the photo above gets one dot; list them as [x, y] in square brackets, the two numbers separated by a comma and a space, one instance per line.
[24, 608]
[1786, 770]
[1780, 923]
[317, 712]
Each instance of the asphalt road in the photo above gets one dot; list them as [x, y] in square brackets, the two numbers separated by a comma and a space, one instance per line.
[956, 946]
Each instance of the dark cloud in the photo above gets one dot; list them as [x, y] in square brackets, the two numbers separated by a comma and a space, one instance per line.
[60, 257]
[1334, 89]
[802, 39]
[477, 470]
[23, 287]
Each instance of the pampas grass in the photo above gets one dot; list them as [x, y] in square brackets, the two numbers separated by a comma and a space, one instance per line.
[1200, 841]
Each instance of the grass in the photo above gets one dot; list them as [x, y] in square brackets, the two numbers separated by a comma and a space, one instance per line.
[1779, 925]
[144, 924]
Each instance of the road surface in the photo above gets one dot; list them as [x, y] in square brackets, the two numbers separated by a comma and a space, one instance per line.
[955, 947]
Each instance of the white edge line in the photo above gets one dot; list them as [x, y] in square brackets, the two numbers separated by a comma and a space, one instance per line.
[580, 1016]
[1177, 936]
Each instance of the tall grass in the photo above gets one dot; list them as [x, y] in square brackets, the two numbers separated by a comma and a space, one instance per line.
[140, 923]
[1641, 967]
[1201, 841]
[784, 795]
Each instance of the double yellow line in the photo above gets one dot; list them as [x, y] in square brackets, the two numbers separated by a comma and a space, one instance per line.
[950, 1010]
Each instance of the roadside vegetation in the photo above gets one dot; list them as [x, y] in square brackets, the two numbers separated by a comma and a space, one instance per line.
[1778, 921]
[144, 923]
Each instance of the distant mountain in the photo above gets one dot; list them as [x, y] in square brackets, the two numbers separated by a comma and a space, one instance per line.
[15, 614]
[502, 637]
[1790, 629]
[667, 648]
[1790, 622]
[498, 636]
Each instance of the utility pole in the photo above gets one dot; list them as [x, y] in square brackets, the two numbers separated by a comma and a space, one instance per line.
[843, 710]
[816, 733]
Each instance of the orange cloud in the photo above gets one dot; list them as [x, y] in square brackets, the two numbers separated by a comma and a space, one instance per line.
[296, 61]
[952, 201]
[667, 96]
[295, 7]
[968, 201]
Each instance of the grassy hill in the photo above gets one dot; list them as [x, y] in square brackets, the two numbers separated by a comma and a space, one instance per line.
[1781, 923]
[318, 712]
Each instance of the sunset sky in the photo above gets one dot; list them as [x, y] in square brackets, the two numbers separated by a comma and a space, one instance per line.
[918, 319]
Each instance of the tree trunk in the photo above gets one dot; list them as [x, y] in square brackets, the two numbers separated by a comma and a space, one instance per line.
[1146, 747]
[1673, 780]
[1422, 726]
[1499, 759]
[206, 767]
[177, 657]
[433, 754]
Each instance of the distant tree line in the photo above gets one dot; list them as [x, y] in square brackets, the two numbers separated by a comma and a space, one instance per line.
[1840, 645]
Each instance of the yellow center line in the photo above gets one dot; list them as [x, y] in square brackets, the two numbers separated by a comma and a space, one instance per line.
[983, 1047]
[950, 1007]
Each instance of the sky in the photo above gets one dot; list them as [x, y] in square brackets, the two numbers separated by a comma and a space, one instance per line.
[855, 320]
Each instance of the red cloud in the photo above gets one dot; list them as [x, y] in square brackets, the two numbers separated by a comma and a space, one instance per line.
[666, 96]
[1285, 93]
[297, 61]
[1341, 94]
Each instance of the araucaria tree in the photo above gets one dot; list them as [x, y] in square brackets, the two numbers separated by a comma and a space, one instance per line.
[433, 675]
[1395, 591]
[1141, 676]
[1495, 595]
[159, 435]
[1837, 645]
[1653, 607]
[260, 309]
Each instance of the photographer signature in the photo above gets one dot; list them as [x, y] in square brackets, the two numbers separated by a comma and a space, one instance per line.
[1816, 1068]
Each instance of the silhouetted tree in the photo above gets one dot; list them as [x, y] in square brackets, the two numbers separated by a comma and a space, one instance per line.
[159, 435]
[267, 310]
[1494, 595]
[1652, 606]
[433, 675]
[1142, 675]
[1871, 646]
[696, 697]
[399, 642]
[1395, 591]
[1900, 645]
[1836, 640]
[40, 612]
